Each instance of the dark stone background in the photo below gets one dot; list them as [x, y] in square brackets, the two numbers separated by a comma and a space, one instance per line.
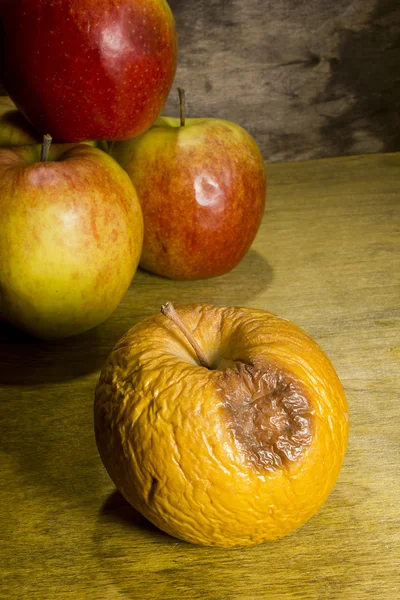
[308, 78]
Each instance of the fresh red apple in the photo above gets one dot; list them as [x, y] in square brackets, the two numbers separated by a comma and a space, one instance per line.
[89, 69]
[202, 188]
[71, 233]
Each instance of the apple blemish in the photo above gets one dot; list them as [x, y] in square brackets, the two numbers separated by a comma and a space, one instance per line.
[267, 410]
[269, 414]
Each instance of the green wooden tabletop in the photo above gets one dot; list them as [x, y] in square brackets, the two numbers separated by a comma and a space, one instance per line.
[326, 257]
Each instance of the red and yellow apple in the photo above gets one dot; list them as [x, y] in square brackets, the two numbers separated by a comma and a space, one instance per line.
[202, 188]
[71, 232]
[88, 69]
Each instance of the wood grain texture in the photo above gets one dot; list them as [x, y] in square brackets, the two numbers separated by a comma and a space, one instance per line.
[327, 257]
[307, 78]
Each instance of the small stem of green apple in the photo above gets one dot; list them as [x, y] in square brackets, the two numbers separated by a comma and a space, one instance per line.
[169, 311]
[47, 139]
[181, 93]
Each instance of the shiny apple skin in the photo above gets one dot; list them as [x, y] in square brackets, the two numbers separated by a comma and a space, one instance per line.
[202, 188]
[71, 233]
[89, 69]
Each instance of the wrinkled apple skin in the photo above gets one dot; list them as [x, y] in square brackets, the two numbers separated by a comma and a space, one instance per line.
[207, 455]
[71, 232]
[89, 69]
[202, 188]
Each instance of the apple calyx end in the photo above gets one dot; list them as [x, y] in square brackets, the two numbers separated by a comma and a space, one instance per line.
[169, 311]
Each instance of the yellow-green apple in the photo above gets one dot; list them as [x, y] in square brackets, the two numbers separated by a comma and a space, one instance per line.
[15, 130]
[71, 232]
[222, 425]
[202, 189]
[88, 69]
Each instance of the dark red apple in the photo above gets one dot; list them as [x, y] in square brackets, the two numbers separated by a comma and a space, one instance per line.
[89, 69]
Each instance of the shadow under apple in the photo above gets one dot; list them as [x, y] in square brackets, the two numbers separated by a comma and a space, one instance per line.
[236, 288]
[129, 550]
[143, 562]
[27, 361]
[118, 510]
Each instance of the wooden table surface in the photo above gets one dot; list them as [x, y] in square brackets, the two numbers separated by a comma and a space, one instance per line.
[327, 257]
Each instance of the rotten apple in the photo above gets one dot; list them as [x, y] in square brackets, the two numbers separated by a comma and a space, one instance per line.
[222, 425]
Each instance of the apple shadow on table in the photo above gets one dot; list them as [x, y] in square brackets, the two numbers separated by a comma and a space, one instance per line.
[123, 540]
[117, 509]
[27, 361]
[236, 288]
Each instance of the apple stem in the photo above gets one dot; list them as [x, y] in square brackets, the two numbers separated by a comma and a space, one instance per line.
[47, 139]
[169, 311]
[181, 93]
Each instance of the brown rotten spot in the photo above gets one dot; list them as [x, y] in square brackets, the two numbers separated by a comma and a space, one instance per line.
[269, 414]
